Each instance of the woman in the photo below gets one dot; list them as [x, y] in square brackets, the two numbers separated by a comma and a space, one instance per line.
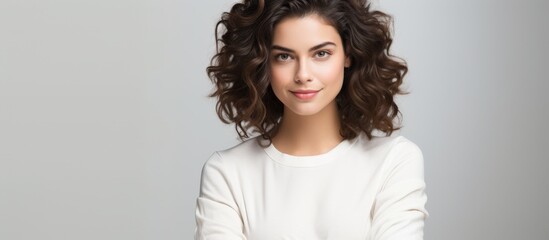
[315, 80]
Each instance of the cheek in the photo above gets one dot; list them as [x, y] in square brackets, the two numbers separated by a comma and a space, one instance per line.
[279, 76]
[331, 73]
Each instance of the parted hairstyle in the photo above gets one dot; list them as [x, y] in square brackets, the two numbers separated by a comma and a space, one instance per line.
[241, 73]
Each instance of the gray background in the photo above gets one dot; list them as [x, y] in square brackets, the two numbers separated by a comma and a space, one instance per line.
[105, 123]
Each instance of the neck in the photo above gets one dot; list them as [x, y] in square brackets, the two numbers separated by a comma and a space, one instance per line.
[309, 135]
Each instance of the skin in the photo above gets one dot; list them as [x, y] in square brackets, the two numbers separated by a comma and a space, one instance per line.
[307, 53]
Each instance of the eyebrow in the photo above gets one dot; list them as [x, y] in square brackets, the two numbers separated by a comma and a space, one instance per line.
[310, 50]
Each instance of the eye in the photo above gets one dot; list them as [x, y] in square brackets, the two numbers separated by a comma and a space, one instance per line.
[323, 54]
[282, 57]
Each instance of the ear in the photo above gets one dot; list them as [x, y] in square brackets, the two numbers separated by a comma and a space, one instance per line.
[347, 62]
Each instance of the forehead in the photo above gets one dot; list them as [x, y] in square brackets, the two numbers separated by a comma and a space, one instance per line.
[307, 31]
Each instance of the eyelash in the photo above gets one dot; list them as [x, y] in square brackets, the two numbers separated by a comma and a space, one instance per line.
[324, 51]
[277, 57]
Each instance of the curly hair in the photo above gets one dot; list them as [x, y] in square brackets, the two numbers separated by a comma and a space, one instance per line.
[240, 69]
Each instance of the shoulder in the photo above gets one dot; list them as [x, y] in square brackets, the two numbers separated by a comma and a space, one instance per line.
[230, 157]
[388, 151]
[387, 144]
[394, 159]
[401, 158]
[246, 148]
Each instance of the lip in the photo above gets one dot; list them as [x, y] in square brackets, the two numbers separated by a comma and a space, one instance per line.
[305, 94]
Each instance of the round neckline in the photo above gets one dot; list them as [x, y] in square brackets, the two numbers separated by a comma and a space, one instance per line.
[310, 160]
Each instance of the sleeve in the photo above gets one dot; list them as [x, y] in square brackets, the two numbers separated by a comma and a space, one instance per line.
[399, 209]
[217, 216]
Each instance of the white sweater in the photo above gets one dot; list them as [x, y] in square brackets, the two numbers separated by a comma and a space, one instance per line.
[361, 189]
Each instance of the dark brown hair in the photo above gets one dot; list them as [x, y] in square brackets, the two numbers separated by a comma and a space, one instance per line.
[240, 69]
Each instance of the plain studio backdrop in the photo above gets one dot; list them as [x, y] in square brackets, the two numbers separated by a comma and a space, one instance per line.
[105, 123]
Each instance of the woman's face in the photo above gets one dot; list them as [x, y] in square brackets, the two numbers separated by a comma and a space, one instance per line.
[307, 62]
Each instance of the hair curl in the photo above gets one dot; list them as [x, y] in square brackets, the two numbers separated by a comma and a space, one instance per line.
[240, 69]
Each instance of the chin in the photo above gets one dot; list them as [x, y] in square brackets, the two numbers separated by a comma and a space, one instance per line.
[303, 111]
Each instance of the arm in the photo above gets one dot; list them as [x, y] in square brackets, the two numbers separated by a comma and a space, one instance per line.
[399, 209]
[217, 215]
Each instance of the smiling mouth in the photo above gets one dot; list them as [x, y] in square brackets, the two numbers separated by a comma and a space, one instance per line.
[305, 94]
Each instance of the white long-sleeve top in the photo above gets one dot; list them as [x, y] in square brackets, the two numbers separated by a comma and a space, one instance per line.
[360, 189]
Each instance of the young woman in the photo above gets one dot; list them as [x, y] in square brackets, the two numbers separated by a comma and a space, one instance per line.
[315, 80]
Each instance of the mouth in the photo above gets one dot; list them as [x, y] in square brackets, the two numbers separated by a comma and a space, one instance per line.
[305, 94]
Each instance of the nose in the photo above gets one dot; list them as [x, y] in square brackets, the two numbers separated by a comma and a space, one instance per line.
[303, 72]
